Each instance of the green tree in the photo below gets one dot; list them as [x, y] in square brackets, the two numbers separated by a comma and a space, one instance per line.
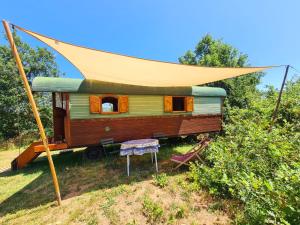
[258, 167]
[216, 53]
[15, 114]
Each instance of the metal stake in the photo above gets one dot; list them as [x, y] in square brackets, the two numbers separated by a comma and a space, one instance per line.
[279, 98]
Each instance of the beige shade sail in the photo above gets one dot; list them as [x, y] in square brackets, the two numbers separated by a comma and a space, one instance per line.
[116, 68]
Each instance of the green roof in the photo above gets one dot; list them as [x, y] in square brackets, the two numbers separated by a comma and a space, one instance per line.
[53, 84]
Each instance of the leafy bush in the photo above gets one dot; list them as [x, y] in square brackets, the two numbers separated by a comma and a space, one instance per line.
[160, 180]
[256, 166]
[152, 210]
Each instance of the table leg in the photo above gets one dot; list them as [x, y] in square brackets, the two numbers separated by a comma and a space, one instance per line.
[128, 163]
[156, 162]
[151, 157]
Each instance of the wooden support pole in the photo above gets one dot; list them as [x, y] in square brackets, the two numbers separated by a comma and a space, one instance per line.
[34, 108]
[279, 98]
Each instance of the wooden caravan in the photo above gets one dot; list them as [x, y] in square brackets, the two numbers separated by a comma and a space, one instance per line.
[85, 112]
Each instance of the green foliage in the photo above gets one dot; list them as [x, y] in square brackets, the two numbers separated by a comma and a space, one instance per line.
[152, 210]
[177, 212]
[216, 53]
[160, 180]
[211, 52]
[258, 167]
[180, 212]
[15, 114]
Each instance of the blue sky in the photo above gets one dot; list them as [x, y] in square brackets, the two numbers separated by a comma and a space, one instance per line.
[267, 30]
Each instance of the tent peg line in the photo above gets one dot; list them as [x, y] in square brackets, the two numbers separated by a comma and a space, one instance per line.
[34, 109]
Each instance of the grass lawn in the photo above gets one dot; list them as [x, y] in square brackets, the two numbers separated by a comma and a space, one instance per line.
[99, 192]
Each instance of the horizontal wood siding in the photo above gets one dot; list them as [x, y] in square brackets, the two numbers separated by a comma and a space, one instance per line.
[143, 105]
[139, 105]
[207, 105]
[90, 131]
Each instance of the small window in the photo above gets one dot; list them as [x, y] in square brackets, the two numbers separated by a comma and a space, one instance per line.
[110, 105]
[178, 104]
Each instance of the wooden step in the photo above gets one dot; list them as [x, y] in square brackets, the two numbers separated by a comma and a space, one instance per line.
[25, 157]
[52, 147]
[32, 152]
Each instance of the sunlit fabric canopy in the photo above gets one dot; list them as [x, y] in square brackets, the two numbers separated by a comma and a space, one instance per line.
[115, 68]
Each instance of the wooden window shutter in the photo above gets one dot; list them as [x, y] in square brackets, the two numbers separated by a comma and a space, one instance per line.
[189, 104]
[123, 104]
[95, 104]
[168, 104]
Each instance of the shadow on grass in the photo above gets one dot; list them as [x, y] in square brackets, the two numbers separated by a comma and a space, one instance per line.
[77, 176]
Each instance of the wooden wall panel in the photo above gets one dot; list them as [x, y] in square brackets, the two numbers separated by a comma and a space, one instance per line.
[168, 104]
[123, 104]
[189, 103]
[95, 104]
[90, 131]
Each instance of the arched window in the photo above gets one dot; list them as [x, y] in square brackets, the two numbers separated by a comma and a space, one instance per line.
[110, 104]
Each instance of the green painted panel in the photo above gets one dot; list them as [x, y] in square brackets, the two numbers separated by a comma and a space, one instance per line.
[57, 84]
[139, 105]
[207, 105]
[80, 109]
[143, 105]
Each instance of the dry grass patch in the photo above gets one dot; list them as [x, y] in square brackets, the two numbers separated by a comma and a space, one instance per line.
[99, 192]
